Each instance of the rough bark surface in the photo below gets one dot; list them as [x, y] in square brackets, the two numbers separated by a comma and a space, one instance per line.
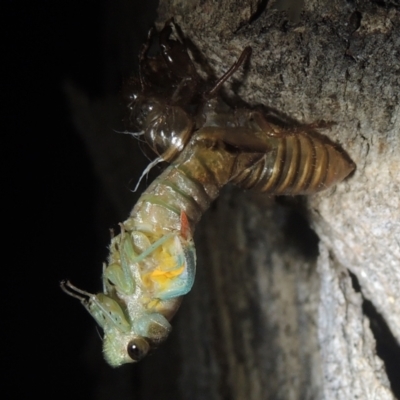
[274, 314]
[339, 62]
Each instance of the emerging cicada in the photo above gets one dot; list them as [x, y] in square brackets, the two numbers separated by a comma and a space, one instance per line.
[152, 261]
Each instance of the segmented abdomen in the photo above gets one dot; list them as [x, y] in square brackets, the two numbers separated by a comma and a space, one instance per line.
[190, 185]
[297, 164]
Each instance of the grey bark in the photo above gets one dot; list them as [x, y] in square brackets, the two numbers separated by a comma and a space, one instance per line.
[339, 62]
[274, 313]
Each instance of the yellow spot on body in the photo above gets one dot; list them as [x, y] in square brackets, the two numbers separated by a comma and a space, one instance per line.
[164, 278]
[167, 268]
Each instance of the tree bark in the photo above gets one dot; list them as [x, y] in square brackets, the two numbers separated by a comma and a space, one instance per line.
[278, 310]
[285, 325]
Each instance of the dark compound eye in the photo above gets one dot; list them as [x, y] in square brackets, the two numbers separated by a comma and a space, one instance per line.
[137, 349]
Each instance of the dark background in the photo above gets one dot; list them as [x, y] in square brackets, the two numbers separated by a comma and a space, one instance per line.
[57, 212]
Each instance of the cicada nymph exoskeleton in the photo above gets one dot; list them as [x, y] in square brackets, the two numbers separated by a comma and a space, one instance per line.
[208, 144]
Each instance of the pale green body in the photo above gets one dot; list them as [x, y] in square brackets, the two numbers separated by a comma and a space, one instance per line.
[151, 234]
[152, 261]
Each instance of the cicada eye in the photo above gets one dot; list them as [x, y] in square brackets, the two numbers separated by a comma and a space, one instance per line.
[137, 349]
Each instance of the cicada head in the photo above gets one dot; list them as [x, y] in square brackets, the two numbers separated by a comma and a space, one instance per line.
[145, 335]
[126, 340]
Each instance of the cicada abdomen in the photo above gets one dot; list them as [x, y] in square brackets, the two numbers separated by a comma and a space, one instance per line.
[298, 163]
[152, 261]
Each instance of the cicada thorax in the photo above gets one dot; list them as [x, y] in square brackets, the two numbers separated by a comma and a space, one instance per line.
[168, 102]
[168, 128]
[164, 102]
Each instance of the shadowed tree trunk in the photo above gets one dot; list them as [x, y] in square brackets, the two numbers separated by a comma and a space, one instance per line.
[293, 298]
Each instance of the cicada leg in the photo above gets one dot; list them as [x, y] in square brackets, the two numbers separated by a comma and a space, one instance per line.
[105, 310]
[241, 138]
[152, 248]
[73, 291]
[142, 58]
[321, 124]
[273, 130]
[119, 273]
[267, 128]
[244, 56]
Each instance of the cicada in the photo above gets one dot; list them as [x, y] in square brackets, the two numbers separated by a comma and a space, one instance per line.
[208, 144]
